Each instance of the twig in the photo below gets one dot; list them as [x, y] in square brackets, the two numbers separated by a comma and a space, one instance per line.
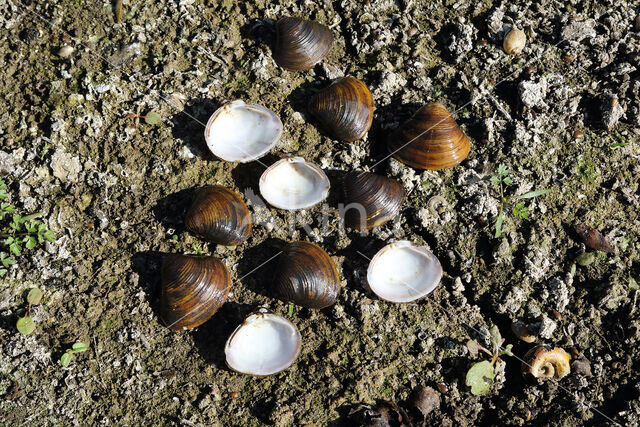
[119, 11]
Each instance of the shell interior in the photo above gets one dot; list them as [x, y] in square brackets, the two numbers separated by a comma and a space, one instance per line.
[239, 132]
[263, 344]
[403, 272]
[293, 183]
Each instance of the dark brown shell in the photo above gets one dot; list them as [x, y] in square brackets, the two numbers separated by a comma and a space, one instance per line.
[431, 139]
[301, 44]
[379, 196]
[219, 215]
[344, 109]
[193, 289]
[593, 238]
[307, 276]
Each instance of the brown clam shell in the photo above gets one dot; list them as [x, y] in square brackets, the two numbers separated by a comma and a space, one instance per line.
[431, 139]
[219, 215]
[193, 289]
[546, 362]
[307, 276]
[378, 199]
[344, 109]
[593, 238]
[301, 44]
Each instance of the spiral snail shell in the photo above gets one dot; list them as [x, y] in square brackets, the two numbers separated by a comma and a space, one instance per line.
[431, 139]
[344, 109]
[219, 215]
[193, 289]
[307, 276]
[545, 362]
[376, 199]
[301, 44]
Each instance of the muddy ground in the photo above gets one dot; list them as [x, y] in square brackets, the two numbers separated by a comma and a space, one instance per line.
[563, 115]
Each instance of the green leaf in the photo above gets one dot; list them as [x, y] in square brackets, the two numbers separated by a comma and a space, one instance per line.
[3, 272]
[15, 248]
[502, 170]
[290, 310]
[65, 359]
[507, 350]
[532, 194]
[495, 180]
[49, 236]
[30, 242]
[79, 347]
[5, 260]
[499, 224]
[619, 144]
[26, 325]
[34, 296]
[507, 180]
[480, 377]
[152, 118]
[585, 258]
[520, 210]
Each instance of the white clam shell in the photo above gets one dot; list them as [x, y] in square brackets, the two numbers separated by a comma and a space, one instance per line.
[403, 272]
[293, 183]
[263, 344]
[240, 132]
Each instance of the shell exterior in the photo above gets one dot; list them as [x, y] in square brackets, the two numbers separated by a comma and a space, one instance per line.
[193, 289]
[593, 238]
[307, 276]
[431, 139]
[263, 344]
[514, 42]
[301, 44]
[403, 272]
[376, 199]
[545, 362]
[293, 183]
[344, 109]
[219, 215]
[240, 132]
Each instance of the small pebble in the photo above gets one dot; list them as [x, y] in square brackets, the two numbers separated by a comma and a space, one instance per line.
[578, 135]
[65, 51]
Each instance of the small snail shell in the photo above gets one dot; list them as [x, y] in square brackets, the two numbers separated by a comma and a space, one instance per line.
[344, 109]
[431, 139]
[219, 215]
[307, 276]
[378, 199]
[544, 362]
[514, 42]
[300, 44]
[521, 330]
[193, 289]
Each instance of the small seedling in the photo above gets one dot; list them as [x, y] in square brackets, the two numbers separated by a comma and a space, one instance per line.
[290, 311]
[151, 118]
[519, 210]
[77, 347]
[25, 324]
[481, 375]
[18, 232]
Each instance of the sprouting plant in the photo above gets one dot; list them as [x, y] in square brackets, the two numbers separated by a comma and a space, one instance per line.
[481, 375]
[519, 210]
[151, 118]
[77, 347]
[25, 324]
[18, 232]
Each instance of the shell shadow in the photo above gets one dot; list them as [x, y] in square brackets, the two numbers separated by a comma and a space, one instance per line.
[247, 175]
[298, 99]
[147, 265]
[385, 120]
[260, 30]
[188, 125]
[357, 257]
[171, 210]
[262, 259]
[211, 336]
